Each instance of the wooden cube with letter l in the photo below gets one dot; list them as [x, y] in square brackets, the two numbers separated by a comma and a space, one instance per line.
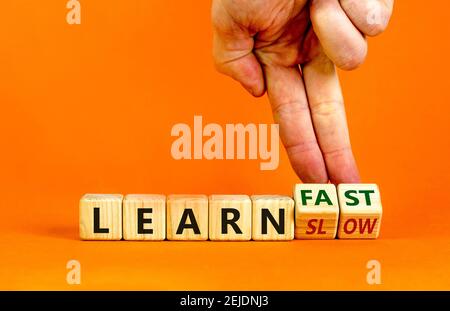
[230, 218]
[273, 218]
[101, 217]
[144, 217]
[187, 217]
[316, 211]
[360, 211]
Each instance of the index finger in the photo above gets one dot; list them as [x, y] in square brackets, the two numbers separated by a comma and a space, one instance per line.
[370, 16]
[341, 40]
[290, 109]
[328, 115]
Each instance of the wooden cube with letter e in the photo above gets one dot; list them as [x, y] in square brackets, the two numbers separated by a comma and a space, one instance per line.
[144, 217]
[360, 211]
[316, 211]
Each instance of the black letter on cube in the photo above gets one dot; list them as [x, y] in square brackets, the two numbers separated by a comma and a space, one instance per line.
[232, 221]
[97, 228]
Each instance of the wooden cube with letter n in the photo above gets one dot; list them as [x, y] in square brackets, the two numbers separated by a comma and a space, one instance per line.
[144, 217]
[101, 217]
[316, 211]
[187, 217]
[273, 218]
[230, 218]
[361, 211]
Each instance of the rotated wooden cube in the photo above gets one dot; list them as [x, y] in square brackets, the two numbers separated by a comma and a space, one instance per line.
[101, 217]
[273, 218]
[230, 218]
[187, 217]
[360, 211]
[316, 211]
[144, 217]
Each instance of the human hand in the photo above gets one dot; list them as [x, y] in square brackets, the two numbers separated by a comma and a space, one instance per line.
[289, 48]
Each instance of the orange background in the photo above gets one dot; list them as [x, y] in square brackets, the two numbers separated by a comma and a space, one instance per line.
[89, 108]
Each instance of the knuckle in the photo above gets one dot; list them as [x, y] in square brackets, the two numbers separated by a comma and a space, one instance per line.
[300, 147]
[353, 59]
[326, 108]
[373, 30]
[286, 110]
[337, 152]
[378, 25]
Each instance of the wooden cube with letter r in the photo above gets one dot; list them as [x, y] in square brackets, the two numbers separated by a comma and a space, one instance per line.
[316, 211]
[230, 218]
[101, 217]
[273, 218]
[361, 211]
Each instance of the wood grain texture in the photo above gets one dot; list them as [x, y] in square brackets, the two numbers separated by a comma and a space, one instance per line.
[360, 211]
[154, 206]
[276, 205]
[316, 211]
[241, 205]
[110, 216]
[176, 206]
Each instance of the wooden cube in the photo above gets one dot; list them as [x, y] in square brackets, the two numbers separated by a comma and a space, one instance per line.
[187, 217]
[361, 211]
[273, 218]
[230, 218]
[316, 211]
[101, 217]
[144, 217]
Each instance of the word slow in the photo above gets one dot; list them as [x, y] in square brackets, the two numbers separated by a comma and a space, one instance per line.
[316, 211]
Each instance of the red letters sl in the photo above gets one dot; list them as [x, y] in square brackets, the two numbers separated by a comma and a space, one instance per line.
[312, 229]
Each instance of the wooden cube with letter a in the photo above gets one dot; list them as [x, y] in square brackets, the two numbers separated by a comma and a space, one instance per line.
[230, 218]
[273, 218]
[187, 217]
[361, 211]
[316, 211]
[101, 217]
[144, 217]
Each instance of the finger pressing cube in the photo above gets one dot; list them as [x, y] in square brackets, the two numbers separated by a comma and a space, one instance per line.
[316, 211]
[361, 211]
